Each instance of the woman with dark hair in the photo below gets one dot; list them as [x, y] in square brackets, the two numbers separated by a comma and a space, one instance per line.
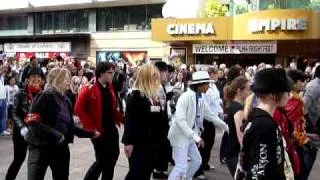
[263, 154]
[22, 103]
[78, 81]
[236, 93]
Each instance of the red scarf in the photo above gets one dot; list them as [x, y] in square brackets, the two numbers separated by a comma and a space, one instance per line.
[32, 90]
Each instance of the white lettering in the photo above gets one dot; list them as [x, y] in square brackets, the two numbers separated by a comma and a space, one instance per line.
[209, 29]
[290, 24]
[181, 29]
[275, 23]
[170, 29]
[191, 29]
[200, 28]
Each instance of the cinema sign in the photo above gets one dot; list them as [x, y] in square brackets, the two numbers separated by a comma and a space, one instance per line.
[190, 29]
[274, 24]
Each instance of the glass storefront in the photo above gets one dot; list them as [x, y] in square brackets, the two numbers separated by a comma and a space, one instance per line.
[13, 22]
[128, 18]
[61, 22]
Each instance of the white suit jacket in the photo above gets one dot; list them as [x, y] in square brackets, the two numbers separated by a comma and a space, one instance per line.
[182, 128]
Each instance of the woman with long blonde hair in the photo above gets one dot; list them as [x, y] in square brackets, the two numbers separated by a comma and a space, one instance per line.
[142, 119]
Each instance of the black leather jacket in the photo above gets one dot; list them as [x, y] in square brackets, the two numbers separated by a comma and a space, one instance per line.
[51, 128]
[20, 109]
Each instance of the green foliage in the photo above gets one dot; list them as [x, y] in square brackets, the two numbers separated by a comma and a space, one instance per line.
[314, 5]
[241, 8]
[214, 8]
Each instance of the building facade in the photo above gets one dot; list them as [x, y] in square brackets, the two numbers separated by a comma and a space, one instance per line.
[270, 36]
[93, 30]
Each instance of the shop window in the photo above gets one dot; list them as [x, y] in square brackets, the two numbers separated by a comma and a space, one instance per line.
[15, 22]
[132, 58]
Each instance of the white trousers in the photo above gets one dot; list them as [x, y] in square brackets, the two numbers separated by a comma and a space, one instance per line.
[181, 169]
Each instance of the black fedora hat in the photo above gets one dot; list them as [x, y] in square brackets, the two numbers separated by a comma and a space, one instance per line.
[34, 71]
[271, 81]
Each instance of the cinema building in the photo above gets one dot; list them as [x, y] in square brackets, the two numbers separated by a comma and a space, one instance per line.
[270, 36]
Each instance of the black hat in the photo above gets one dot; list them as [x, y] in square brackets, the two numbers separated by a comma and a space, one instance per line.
[162, 66]
[271, 81]
[296, 75]
[34, 71]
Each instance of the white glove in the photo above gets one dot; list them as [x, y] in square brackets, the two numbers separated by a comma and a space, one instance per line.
[23, 132]
[226, 128]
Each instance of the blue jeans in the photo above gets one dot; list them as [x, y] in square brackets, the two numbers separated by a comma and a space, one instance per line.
[3, 115]
[307, 158]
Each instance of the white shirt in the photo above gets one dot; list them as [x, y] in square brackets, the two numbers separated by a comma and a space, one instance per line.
[11, 93]
[3, 94]
[212, 98]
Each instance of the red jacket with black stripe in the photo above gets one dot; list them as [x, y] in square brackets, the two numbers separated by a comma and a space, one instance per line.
[88, 107]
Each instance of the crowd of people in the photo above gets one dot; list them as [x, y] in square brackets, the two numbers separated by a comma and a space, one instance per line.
[269, 116]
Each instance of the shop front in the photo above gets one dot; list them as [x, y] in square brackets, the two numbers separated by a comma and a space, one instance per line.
[133, 48]
[41, 50]
[272, 36]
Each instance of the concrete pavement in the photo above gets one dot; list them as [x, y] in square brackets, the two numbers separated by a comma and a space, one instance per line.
[82, 155]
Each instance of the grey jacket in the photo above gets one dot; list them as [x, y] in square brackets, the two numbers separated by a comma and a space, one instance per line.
[312, 100]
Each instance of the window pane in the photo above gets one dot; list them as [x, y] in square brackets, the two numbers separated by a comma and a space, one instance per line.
[120, 18]
[104, 19]
[153, 11]
[62, 21]
[137, 17]
[15, 22]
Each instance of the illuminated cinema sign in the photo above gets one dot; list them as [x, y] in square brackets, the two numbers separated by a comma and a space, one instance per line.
[190, 29]
[289, 24]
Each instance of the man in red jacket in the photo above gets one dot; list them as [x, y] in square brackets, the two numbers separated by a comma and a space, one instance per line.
[96, 107]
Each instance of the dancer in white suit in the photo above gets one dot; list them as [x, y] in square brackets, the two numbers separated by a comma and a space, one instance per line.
[186, 127]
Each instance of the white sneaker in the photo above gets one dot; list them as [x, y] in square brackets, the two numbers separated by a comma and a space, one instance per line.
[212, 167]
[5, 133]
[201, 177]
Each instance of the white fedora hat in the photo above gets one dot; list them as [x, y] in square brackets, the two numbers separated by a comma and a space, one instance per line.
[200, 77]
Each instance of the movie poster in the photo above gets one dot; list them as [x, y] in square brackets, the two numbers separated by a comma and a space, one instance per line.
[178, 56]
[133, 58]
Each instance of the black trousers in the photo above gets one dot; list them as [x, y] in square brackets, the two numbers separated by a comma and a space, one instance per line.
[208, 136]
[224, 147]
[107, 152]
[163, 155]
[57, 157]
[232, 164]
[19, 154]
[141, 162]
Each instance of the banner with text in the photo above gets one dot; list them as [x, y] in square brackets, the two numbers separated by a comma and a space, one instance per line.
[236, 48]
[38, 47]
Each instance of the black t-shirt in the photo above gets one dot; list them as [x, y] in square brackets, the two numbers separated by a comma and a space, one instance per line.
[233, 143]
[107, 115]
[263, 147]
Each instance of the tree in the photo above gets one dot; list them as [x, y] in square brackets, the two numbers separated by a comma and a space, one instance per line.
[214, 8]
[241, 8]
[314, 5]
